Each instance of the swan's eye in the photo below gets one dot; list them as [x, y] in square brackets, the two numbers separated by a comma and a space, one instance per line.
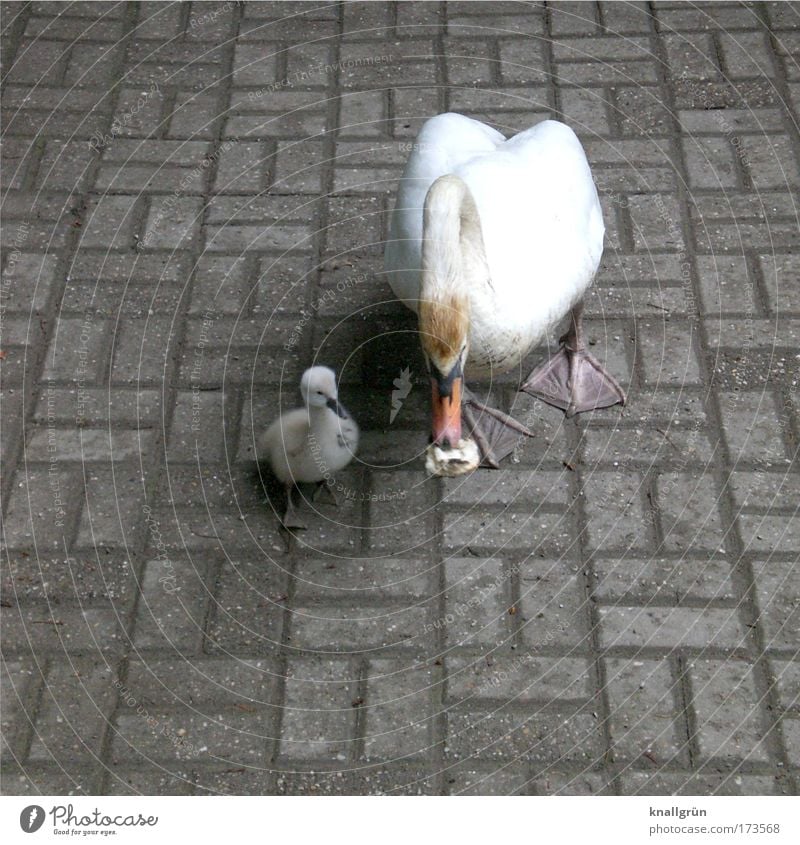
[320, 393]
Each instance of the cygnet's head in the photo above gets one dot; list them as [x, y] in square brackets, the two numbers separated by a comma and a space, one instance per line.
[318, 387]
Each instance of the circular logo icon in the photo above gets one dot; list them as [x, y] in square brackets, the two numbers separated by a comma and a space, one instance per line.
[31, 818]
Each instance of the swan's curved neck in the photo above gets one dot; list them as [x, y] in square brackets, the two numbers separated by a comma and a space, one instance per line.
[453, 267]
[453, 253]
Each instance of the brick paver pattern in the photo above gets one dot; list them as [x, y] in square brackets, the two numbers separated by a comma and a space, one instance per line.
[195, 202]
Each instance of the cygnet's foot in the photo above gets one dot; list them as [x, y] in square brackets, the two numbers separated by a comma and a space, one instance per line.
[291, 519]
[496, 433]
[574, 380]
[327, 489]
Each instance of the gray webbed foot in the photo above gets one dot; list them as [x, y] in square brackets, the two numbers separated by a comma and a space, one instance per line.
[496, 433]
[291, 518]
[573, 379]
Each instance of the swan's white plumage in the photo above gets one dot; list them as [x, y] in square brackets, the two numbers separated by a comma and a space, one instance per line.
[541, 221]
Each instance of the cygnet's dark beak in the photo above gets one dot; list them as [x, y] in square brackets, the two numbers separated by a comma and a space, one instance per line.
[334, 405]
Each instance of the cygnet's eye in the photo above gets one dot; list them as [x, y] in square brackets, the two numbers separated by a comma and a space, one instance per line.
[320, 393]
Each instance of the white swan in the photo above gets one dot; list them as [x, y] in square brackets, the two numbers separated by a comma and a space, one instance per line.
[492, 242]
[309, 444]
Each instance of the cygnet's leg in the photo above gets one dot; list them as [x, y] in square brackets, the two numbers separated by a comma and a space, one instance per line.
[323, 486]
[291, 519]
[496, 433]
[573, 379]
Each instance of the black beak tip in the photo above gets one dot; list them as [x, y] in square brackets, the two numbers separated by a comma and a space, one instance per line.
[338, 409]
[445, 445]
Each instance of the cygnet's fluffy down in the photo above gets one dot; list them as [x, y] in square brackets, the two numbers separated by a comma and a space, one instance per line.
[310, 444]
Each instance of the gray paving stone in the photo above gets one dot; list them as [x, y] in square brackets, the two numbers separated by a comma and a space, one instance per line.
[692, 56]
[72, 719]
[580, 782]
[645, 721]
[97, 407]
[319, 715]
[619, 446]
[172, 223]
[173, 605]
[708, 18]
[689, 512]
[112, 509]
[65, 165]
[669, 627]
[521, 677]
[586, 110]
[247, 609]
[83, 577]
[695, 783]
[196, 115]
[746, 55]
[43, 507]
[110, 222]
[203, 681]
[363, 579]
[138, 114]
[631, 581]
[20, 681]
[141, 348]
[748, 420]
[753, 334]
[64, 629]
[711, 162]
[614, 511]
[478, 600]
[559, 738]
[493, 532]
[766, 490]
[731, 727]
[726, 285]
[234, 781]
[778, 271]
[778, 597]
[317, 783]
[232, 738]
[512, 489]
[466, 779]
[399, 710]
[572, 18]
[148, 781]
[355, 629]
[50, 780]
[553, 607]
[788, 679]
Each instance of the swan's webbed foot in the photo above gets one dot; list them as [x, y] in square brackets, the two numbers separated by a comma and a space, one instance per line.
[327, 489]
[496, 433]
[573, 379]
[291, 518]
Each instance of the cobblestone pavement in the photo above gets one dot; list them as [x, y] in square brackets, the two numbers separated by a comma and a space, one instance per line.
[195, 200]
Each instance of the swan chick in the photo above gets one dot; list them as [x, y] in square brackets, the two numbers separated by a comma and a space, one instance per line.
[311, 443]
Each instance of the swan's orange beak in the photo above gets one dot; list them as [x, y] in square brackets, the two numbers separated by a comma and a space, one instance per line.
[446, 393]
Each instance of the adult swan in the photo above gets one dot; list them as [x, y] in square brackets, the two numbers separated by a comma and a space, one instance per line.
[492, 242]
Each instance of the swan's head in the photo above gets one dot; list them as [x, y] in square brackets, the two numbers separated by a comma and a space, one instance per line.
[318, 387]
[444, 334]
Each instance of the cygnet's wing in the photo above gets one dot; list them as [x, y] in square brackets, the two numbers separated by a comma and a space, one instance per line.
[348, 430]
[289, 434]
